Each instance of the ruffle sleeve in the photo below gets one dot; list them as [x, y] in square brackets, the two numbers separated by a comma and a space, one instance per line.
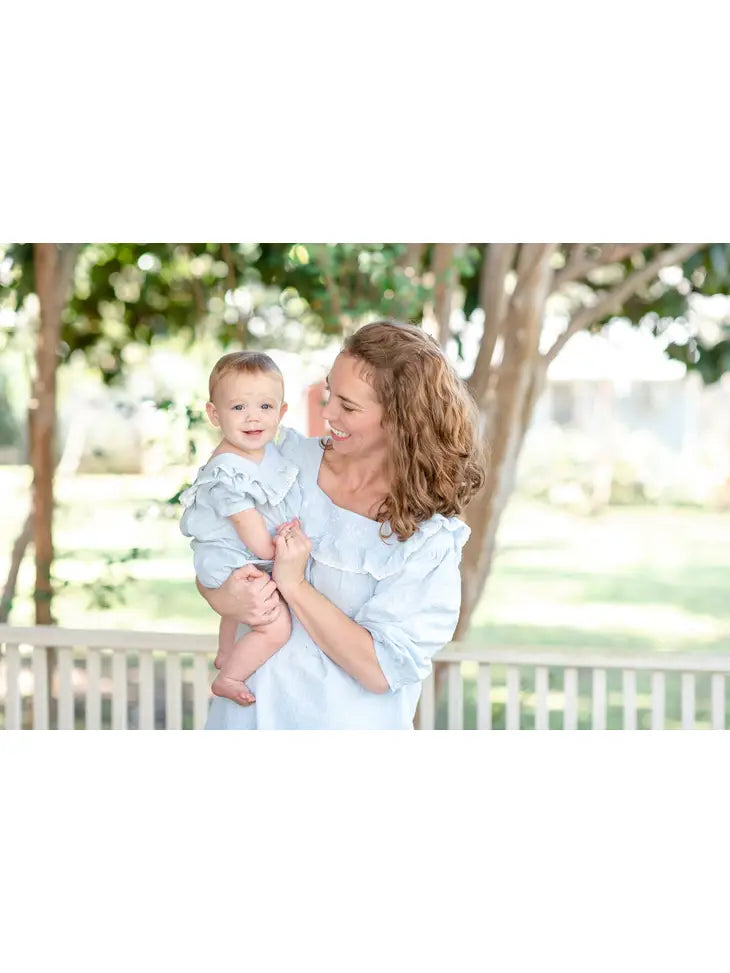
[229, 488]
[415, 606]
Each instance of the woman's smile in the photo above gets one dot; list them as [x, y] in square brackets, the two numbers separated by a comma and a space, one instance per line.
[337, 433]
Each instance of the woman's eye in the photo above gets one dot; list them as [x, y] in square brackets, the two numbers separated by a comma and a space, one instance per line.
[347, 408]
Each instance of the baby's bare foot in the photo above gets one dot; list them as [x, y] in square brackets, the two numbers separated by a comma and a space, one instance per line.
[234, 689]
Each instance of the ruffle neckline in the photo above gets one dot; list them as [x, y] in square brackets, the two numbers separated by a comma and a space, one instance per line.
[351, 542]
[266, 482]
[380, 559]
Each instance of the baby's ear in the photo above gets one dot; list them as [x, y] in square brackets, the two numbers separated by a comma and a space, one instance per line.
[283, 412]
[212, 414]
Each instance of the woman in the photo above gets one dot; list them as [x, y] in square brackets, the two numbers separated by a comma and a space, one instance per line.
[370, 570]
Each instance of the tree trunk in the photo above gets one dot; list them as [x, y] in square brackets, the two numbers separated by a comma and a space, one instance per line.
[506, 408]
[506, 391]
[493, 299]
[445, 281]
[42, 421]
[53, 270]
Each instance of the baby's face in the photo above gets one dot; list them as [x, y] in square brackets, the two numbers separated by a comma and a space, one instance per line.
[247, 408]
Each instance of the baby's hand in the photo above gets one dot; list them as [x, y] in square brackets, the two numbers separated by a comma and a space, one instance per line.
[294, 522]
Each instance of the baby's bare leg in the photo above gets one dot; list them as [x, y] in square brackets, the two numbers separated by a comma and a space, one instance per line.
[249, 654]
[226, 640]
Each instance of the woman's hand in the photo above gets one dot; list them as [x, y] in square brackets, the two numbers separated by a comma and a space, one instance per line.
[293, 548]
[248, 595]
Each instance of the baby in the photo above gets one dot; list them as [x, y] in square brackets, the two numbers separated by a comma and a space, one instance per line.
[244, 491]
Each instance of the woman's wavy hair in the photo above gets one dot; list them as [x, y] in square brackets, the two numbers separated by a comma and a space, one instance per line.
[436, 461]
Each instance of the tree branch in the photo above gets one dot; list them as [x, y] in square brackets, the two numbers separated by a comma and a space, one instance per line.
[613, 300]
[21, 543]
[575, 258]
[579, 265]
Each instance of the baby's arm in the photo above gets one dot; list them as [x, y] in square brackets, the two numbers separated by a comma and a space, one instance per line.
[251, 528]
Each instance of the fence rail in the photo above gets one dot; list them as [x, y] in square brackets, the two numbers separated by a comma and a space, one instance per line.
[104, 679]
[76, 679]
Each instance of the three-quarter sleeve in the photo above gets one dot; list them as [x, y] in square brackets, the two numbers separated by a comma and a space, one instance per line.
[413, 613]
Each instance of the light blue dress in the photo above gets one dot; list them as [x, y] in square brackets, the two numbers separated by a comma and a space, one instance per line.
[407, 594]
[227, 485]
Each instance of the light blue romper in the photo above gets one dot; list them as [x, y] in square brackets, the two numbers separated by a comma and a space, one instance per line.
[226, 485]
[407, 594]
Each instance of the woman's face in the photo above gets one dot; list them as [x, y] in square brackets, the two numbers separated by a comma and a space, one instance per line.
[353, 412]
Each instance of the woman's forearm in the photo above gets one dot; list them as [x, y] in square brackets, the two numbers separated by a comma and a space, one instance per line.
[346, 643]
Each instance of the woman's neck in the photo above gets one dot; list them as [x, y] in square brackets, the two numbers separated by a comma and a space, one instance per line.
[364, 473]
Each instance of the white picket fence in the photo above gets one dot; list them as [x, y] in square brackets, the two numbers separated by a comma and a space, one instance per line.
[149, 680]
[105, 679]
[586, 684]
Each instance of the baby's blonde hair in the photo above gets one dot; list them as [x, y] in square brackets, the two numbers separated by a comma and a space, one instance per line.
[243, 361]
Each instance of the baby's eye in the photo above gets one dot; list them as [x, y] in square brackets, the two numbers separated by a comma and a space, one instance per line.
[237, 408]
[266, 406]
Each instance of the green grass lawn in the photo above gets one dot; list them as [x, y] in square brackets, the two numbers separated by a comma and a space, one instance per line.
[643, 579]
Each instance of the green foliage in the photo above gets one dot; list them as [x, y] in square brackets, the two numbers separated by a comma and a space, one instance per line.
[109, 588]
[18, 277]
[347, 281]
[10, 432]
[706, 272]
[136, 292]
[133, 292]
[470, 280]
[711, 361]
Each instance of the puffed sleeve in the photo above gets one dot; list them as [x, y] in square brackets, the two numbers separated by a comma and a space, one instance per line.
[413, 613]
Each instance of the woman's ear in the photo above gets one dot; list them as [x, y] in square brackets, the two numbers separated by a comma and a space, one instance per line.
[212, 414]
